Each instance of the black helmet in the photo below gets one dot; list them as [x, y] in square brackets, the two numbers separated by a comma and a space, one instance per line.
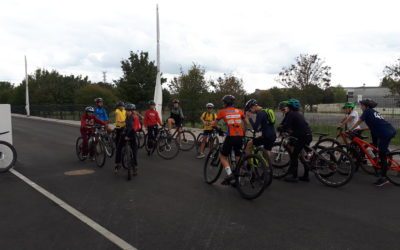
[228, 100]
[98, 99]
[369, 103]
[120, 104]
[175, 101]
[250, 103]
[152, 102]
[89, 109]
[130, 106]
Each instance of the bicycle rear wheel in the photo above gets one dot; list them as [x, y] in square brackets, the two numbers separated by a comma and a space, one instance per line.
[252, 177]
[140, 138]
[167, 147]
[280, 160]
[8, 156]
[186, 140]
[212, 167]
[78, 148]
[326, 143]
[333, 167]
[393, 172]
[100, 154]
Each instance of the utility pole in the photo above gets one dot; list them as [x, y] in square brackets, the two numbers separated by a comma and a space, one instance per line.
[27, 108]
[104, 76]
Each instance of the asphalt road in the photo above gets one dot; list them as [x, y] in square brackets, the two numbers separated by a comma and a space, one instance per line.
[168, 206]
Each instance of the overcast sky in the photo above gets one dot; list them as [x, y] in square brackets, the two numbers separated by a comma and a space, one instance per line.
[250, 39]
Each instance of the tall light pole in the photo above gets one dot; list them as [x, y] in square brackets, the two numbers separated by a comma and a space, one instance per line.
[27, 108]
[158, 98]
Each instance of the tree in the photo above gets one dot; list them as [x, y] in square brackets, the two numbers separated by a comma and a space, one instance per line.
[339, 93]
[229, 85]
[307, 70]
[6, 92]
[139, 78]
[87, 94]
[264, 98]
[191, 88]
[279, 95]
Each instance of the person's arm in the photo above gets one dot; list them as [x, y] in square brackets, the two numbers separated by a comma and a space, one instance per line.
[202, 118]
[98, 121]
[356, 124]
[105, 114]
[83, 121]
[181, 113]
[346, 120]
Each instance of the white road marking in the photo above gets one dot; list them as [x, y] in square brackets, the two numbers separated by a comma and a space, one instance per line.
[103, 231]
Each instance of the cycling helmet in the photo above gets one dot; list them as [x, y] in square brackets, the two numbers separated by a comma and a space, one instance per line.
[120, 104]
[130, 106]
[89, 109]
[350, 105]
[369, 103]
[209, 105]
[151, 102]
[294, 104]
[229, 100]
[250, 103]
[283, 104]
[175, 101]
[98, 99]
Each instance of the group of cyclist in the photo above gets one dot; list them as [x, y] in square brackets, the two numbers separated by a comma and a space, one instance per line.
[128, 121]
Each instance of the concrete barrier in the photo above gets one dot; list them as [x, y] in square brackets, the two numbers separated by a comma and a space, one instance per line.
[5, 122]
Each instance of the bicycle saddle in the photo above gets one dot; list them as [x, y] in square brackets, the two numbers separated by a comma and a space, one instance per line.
[2, 133]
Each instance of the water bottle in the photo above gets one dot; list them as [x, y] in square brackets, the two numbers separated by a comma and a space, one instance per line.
[370, 153]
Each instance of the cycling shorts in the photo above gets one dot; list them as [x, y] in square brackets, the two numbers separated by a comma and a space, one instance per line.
[232, 143]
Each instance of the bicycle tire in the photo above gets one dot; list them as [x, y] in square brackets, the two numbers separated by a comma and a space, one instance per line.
[326, 142]
[100, 154]
[255, 162]
[337, 155]
[108, 146]
[393, 172]
[78, 148]
[13, 160]
[127, 160]
[215, 165]
[260, 153]
[149, 150]
[141, 138]
[166, 144]
[279, 168]
[188, 142]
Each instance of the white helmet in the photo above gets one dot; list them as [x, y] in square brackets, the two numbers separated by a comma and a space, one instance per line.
[209, 105]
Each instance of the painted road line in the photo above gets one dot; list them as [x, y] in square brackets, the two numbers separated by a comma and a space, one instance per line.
[100, 229]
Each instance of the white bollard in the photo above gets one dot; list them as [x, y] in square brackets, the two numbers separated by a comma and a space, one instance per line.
[5, 122]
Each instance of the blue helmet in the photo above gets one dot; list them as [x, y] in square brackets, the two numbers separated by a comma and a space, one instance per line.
[294, 103]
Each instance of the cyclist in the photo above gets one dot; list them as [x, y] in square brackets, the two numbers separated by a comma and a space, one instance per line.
[234, 119]
[382, 132]
[151, 122]
[295, 124]
[351, 116]
[120, 117]
[176, 116]
[208, 117]
[129, 134]
[100, 111]
[264, 122]
[284, 108]
[88, 120]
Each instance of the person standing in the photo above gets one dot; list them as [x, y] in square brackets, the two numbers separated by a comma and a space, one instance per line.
[208, 117]
[120, 117]
[151, 122]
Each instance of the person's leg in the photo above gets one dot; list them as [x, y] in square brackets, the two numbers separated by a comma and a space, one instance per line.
[294, 161]
[226, 150]
[120, 145]
[84, 142]
[307, 141]
[383, 146]
[170, 123]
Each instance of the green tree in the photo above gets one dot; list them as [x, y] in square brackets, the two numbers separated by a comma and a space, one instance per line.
[87, 94]
[192, 89]
[6, 92]
[279, 95]
[229, 85]
[264, 98]
[307, 70]
[391, 79]
[139, 78]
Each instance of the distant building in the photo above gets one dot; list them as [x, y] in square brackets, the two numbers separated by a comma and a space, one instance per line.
[382, 95]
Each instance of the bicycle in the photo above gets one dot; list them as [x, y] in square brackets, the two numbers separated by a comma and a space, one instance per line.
[212, 139]
[167, 147]
[95, 145]
[185, 138]
[108, 142]
[361, 148]
[323, 162]
[140, 138]
[129, 160]
[8, 155]
[252, 176]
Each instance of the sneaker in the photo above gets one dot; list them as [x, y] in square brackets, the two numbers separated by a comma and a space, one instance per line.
[135, 171]
[201, 156]
[290, 178]
[228, 180]
[381, 182]
[84, 157]
[304, 178]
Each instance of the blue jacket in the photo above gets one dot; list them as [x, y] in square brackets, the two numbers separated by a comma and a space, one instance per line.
[101, 113]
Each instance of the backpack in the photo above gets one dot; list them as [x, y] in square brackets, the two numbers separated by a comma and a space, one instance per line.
[270, 115]
[209, 116]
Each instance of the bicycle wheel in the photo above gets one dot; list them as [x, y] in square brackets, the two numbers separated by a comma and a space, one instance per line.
[8, 156]
[78, 148]
[199, 139]
[127, 160]
[186, 140]
[167, 147]
[252, 177]
[332, 166]
[213, 142]
[100, 154]
[267, 161]
[212, 167]
[280, 160]
[393, 172]
[140, 138]
[326, 143]
[108, 146]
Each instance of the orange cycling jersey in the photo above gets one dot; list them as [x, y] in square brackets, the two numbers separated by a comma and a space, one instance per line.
[233, 118]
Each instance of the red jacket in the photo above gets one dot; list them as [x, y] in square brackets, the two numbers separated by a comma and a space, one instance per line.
[90, 121]
[151, 118]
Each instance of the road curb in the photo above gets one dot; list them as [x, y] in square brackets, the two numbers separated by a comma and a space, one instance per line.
[64, 122]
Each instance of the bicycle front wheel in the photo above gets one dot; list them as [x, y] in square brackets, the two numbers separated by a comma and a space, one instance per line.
[333, 167]
[108, 146]
[128, 160]
[100, 154]
[79, 148]
[212, 167]
[186, 140]
[252, 177]
[167, 147]
[280, 160]
[8, 156]
[140, 137]
[393, 172]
